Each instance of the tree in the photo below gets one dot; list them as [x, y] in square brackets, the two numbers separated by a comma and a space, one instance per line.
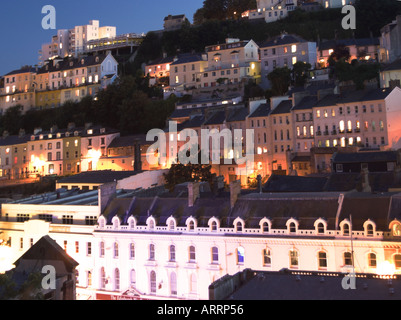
[340, 52]
[11, 121]
[180, 173]
[280, 79]
[300, 73]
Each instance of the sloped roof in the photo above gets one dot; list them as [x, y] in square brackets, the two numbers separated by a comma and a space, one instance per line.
[98, 177]
[282, 40]
[284, 106]
[358, 157]
[262, 111]
[296, 285]
[306, 103]
[47, 249]
[278, 183]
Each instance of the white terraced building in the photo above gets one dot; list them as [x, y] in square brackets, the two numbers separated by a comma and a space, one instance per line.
[173, 246]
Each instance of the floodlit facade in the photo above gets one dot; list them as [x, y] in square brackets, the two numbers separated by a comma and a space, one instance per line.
[146, 247]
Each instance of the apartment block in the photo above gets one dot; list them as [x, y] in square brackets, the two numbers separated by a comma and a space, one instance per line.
[271, 10]
[285, 51]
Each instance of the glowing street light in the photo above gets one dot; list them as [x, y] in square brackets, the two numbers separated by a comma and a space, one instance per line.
[386, 269]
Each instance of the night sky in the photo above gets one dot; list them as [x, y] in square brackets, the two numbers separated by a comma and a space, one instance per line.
[21, 22]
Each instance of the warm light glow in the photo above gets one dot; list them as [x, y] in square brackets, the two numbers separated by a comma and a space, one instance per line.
[385, 269]
[5, 258]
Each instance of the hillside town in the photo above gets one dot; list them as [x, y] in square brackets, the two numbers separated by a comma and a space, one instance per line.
[125, 218]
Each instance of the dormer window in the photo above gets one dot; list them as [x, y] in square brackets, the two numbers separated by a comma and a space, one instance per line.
[103, 130]
[41, 137]
[90, 131]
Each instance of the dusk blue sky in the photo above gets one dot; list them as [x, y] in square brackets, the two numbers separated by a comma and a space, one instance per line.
[21, 22]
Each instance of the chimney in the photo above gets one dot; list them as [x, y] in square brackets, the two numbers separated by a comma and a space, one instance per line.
[259, 179]
[21, 133]
[37, 130]
[71, 126]
[218, 185]
[88, 125]
[365, 181]
[106, 193]
[137, 157]
[235, 191]
[5, 134]
[193, 193]
[53, 129]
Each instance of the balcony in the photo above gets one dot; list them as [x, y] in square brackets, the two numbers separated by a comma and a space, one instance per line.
[318, 133]
[334, 132]
[357, 130]
[326, 133]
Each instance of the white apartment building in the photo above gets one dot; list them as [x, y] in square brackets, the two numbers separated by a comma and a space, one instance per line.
[145, 247]
[271, 10]
[73, 41]
[285, 51]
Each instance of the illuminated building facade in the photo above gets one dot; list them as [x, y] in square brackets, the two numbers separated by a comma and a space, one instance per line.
[174, 247]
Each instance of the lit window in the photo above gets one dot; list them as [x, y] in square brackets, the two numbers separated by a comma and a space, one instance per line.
[294, 48]
[240, 255]
[372, 260]
[293, 259]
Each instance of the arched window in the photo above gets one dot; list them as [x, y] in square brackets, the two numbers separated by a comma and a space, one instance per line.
[116, 279]
[265, 227]
[322, 260]
[192, 254]
[152, 252]
[133, 278]
[267, 260]
[153, 282]
[372, 262]
[171, 225]
[293, 227]
[369, 230]
[89, 278]
[239, 226]
[193, 284]
[320, 228]
[172, 253]
[240, 255]
[132, 251]
[151, 224]
[102, 278]
[397, 261]
[346, 229]
[191, 225]
[173, 284]
[214, 226]
[215, 255]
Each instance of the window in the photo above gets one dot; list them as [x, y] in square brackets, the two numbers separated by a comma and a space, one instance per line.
[173, 284]
[293, 227]
[102, 278]
[240, 255]
[172, 253]
[89, 249]
[133, 278]
[214, 226]
[215, 255]
[192, 254]
[152, 282]
[132, 251]
[116, 279]
[115, 247]
[322, 260]
[191, 225]
[293, 259]
[369, 230]
[68, 219]
[101, 251]
[267, 257]
[346, 231]
[372, 262]
[193, 284]
[151, 252]
[239, 226]
[320, 228]
[347, 258]
[265, 227]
